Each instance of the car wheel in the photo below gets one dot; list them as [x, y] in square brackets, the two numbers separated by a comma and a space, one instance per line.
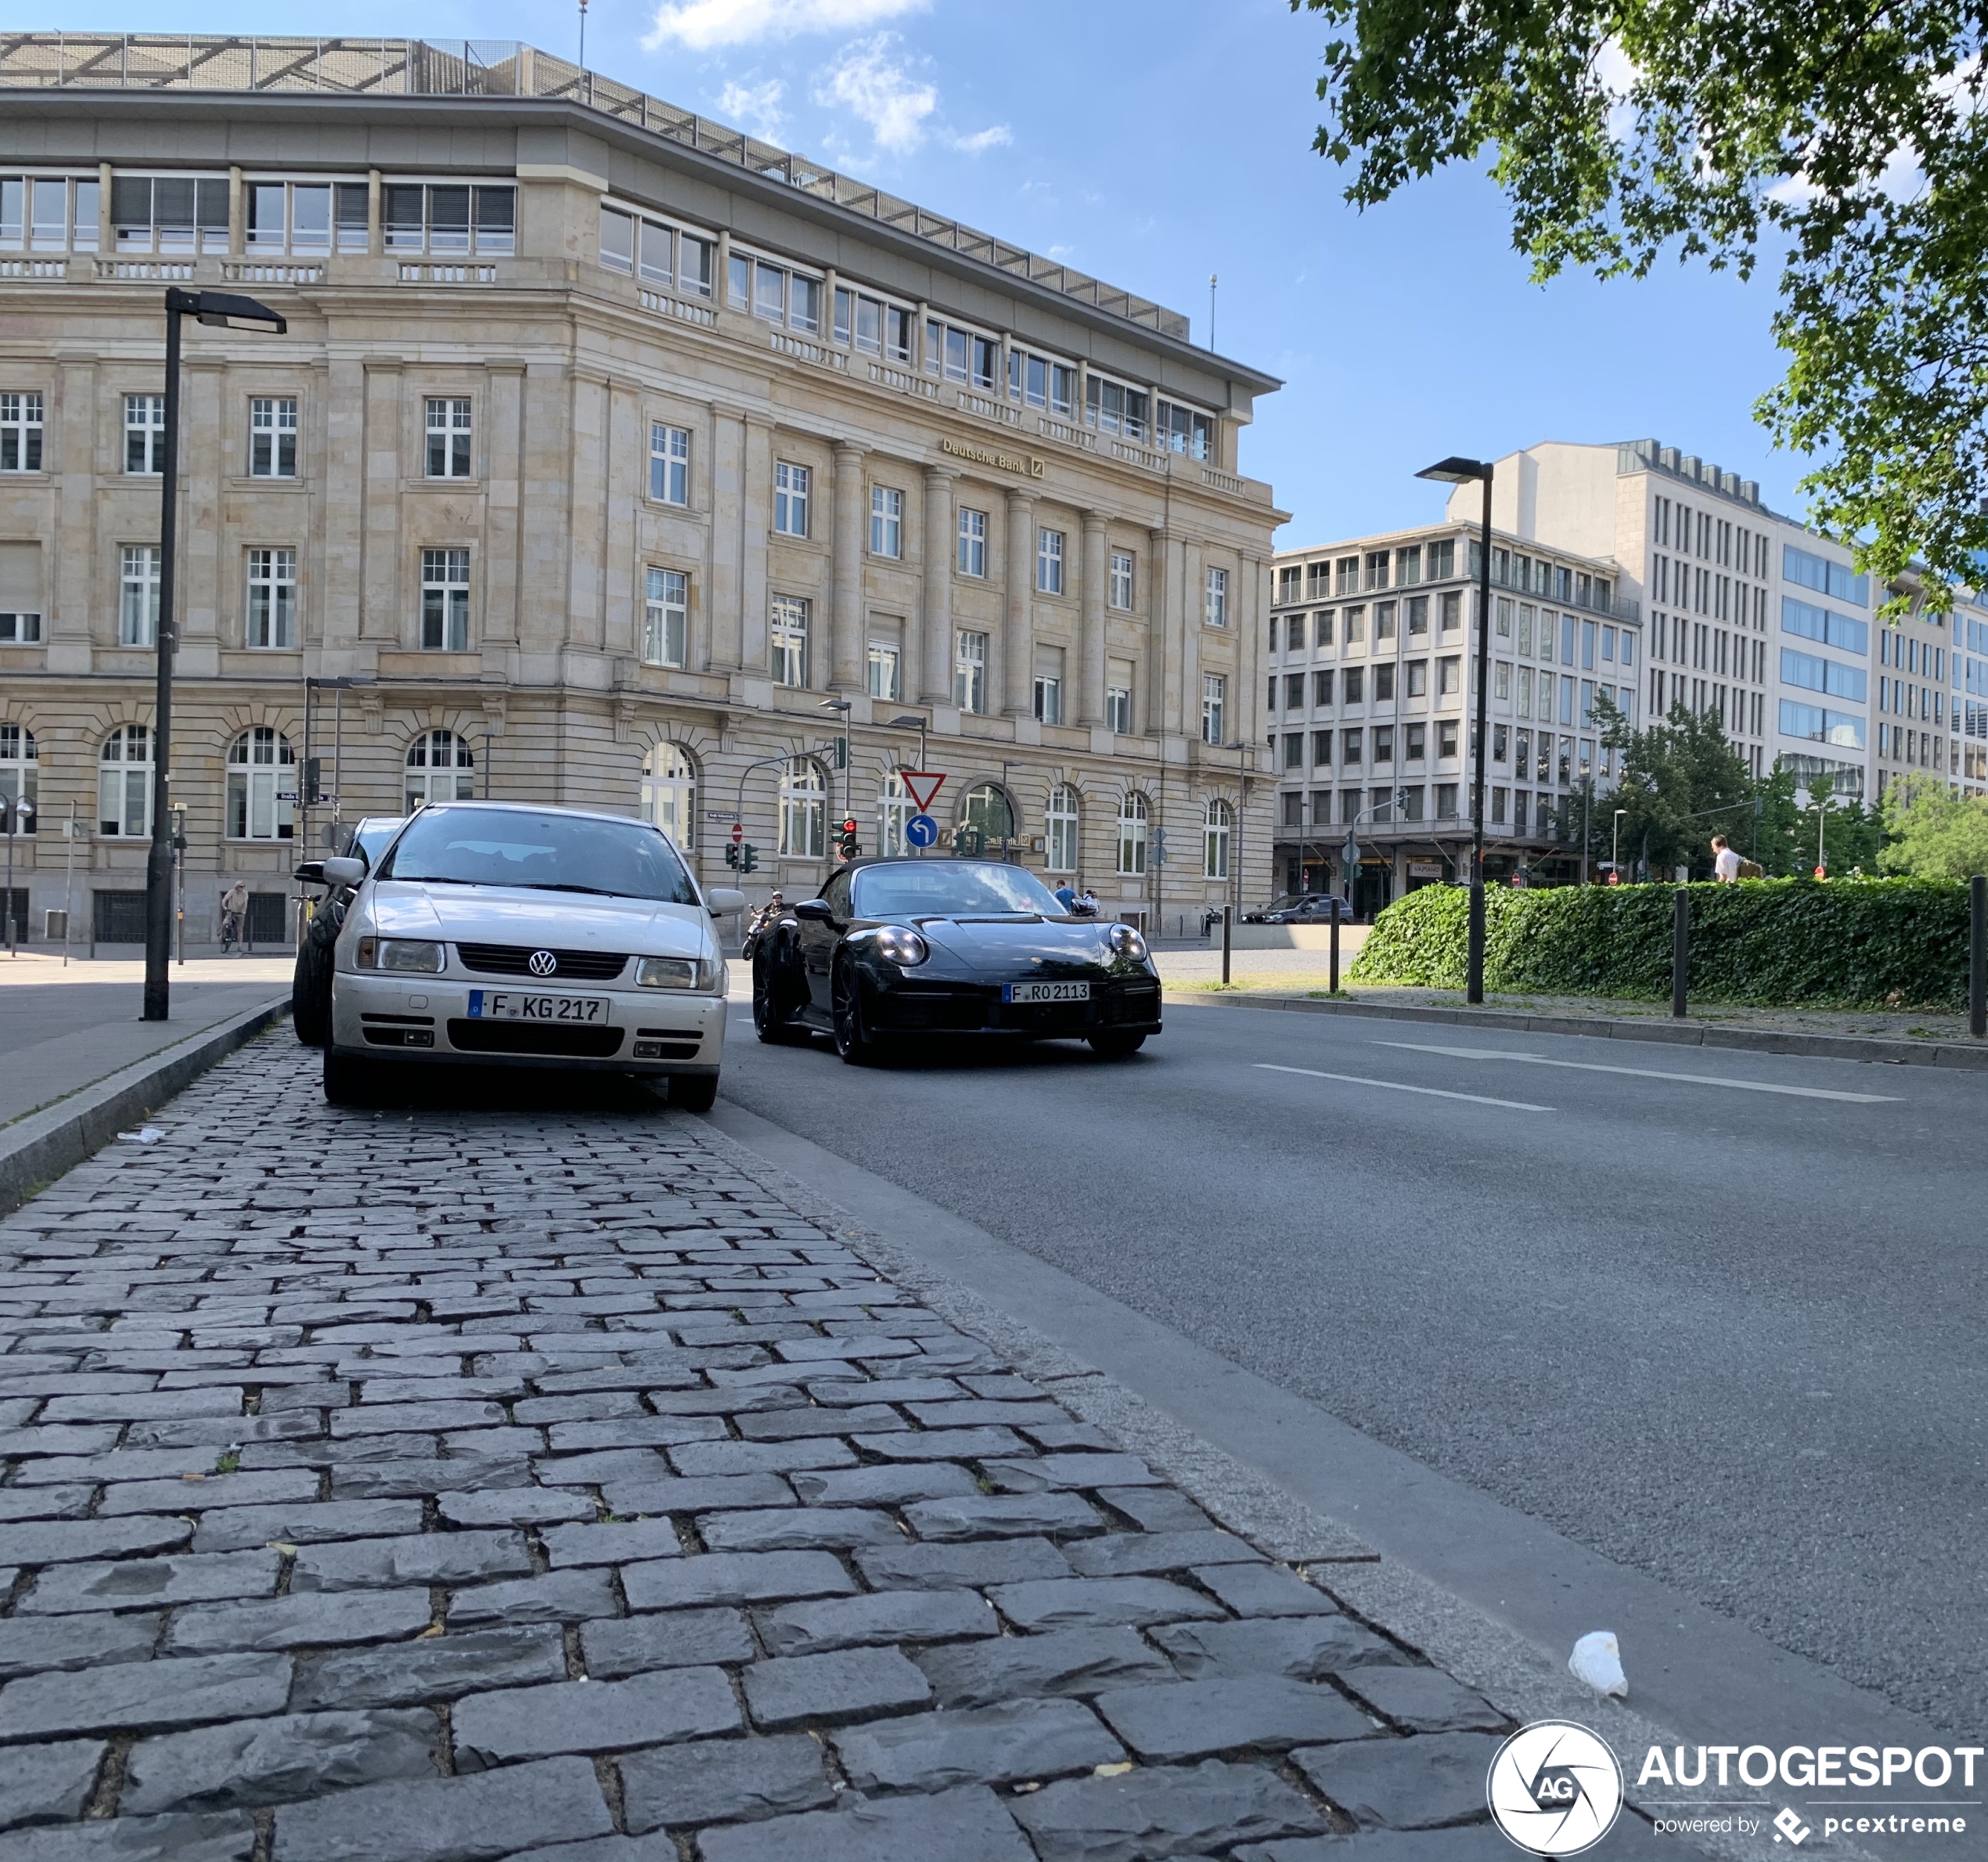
[853, 1041]
[310, 993]
[348, 1082]
[1115, 1047]
[693, 1092]
[770, 1018]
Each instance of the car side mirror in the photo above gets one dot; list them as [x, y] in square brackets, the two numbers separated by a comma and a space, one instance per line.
[344, 871]
[311, 872]
[722, 901]
[815, 909]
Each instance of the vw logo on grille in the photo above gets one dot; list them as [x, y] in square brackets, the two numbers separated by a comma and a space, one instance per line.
[542, 963]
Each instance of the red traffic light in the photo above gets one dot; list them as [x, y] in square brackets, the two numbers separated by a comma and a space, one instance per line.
[849, 827]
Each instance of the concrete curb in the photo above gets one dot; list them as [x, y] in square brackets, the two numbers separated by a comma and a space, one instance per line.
[38, 1148]
[1670, 1034]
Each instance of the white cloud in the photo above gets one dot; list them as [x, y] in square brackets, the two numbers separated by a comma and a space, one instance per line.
[757, 107]
[997, 136]
[702, 25]
[880, 92]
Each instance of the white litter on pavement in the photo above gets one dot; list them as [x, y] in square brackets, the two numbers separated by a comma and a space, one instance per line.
[145, 1134]
[1597, 1660]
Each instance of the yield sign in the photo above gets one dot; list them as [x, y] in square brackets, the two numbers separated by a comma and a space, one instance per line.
[921, 785]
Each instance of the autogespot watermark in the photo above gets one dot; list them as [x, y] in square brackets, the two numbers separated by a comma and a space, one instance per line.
[1556, 1788]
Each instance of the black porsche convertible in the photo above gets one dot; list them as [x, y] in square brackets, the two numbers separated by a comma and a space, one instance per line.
[898, 950]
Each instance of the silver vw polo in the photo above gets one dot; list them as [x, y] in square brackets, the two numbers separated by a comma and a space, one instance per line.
[497, 932]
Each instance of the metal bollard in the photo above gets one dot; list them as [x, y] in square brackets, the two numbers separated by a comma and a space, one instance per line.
[1680, 949]
[1977, 956]
[1226, 912]
[1335, 949]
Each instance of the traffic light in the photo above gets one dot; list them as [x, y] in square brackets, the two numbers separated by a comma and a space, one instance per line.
[731, 855]
[848, 846]
[748, 858]
[313, 780]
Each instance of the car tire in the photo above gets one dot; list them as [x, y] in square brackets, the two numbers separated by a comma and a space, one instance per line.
[693, 1092]
[771, 1020]
[853, 1041]
[310, 993]
[1115, 1047]
[348, 1082]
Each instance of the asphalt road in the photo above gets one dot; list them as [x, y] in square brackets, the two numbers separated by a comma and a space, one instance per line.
[1730, 1337]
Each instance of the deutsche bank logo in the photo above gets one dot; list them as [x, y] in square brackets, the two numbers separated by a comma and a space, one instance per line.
[1554, 1789]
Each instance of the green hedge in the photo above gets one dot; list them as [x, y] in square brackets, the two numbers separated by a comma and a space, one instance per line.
[1857, 943]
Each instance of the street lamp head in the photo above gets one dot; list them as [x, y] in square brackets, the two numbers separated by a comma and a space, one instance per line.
[225, 309]
[835, 704]
[906, 722]
[1457, 471]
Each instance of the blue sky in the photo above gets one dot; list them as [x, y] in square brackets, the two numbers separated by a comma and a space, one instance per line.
[1151, 143]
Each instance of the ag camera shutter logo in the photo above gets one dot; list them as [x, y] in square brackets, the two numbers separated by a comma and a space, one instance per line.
[1554, 1789]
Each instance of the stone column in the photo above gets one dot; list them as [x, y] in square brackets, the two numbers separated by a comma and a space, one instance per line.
[331, 608]
[1153, 673]
[1090, 643]
[845, 624]
[756, 522]
[1018, 635]
[381, 614]
[724, 588]
[931, 681]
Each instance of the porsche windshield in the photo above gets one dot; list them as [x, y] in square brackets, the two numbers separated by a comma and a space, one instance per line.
[539, 852]
[952, 889]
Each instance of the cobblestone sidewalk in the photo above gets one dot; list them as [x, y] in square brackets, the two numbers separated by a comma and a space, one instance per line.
[433, 1488]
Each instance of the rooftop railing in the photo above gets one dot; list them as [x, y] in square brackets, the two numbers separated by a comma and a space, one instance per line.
[506, 68]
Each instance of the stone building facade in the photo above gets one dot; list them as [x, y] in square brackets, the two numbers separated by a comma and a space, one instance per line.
[603, 447]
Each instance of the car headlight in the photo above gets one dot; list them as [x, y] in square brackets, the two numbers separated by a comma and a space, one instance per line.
[1126, 942]
[403, 954]
[676, 973]
[902, 945]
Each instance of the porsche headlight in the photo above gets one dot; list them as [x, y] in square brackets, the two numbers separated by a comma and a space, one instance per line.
[403, 954]
[902, 945]
[1126, 942]
[675, 973]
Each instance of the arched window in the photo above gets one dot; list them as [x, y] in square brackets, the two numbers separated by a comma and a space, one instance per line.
[123, 783]
[1217, 819]
[440, 769]
[894, 809]
[669, 792]
[1060, 821]
[987, 809]
[17, 767]
[1132, 816]
[261, 786]
[804, 810]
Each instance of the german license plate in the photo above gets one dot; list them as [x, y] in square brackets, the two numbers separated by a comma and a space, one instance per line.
[1046, 993]
[514, 1005]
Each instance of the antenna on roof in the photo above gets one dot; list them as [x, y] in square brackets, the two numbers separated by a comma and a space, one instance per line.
[1211, 294]
[583, 35]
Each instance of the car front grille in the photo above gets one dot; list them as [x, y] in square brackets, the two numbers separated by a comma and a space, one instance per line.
[577, 1043]
[1133, 1005]
[515, 960]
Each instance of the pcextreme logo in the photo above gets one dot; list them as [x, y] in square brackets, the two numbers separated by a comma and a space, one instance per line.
[1555, 1787]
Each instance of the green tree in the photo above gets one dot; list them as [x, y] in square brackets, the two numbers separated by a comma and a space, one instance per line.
[1936, 834]
[1681, 782]
[1848, 141]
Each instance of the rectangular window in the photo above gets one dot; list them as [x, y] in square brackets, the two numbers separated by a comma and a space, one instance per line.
[18, 628]
[1834, 630]
[1566, 698]
[970, 672]
[1845, 730]
[617, 240]
[1445, 802]
[656, 253]
[1295, 633]
[1048, 700]
[1355, 686]
[1215, 692]
[1322, 749]
[1384, 621]
[1443, 559]
[271, 619]
[1418, 679]
[788, 634]
[1384, 684]
[1384, 745]
[791, 485]
[669, 464]
[1350, 752]
[1408, 566]
[1815, 674]
[1415, 748]
[1049, 562]
[972, 542]
[20, 433]
[449, 437]
[886, 521]
[1215, 601]
[1324, 621]
[1118, 709]
[666, 617]
[272, 437]
[137, 603]
[1121, 587]
[1445, 738]
[1377, 568]
[145, 433]
[1290, 584]
[1294, 750]
[1185, 430]
[444, 600]
[883, 669]
[1418, 615]
[1826, 578]
[1322, 686]
[1114, 408]
[1450, 615]
[1449, 673]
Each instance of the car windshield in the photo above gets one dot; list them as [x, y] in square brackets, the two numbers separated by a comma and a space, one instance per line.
[540, 851]
[951, 889]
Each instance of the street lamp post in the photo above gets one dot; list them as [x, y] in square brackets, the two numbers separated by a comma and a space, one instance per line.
[1615, 847]
[1461, 471]
[221, 310]
[841, 707]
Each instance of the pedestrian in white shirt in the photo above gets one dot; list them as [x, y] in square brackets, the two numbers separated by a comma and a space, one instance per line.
[1725, 862]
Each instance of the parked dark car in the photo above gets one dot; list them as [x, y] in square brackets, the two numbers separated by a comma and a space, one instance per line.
[310, 989]
[936, 950]
[1303, 908]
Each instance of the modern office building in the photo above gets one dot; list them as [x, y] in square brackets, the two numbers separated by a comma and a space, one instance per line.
[608, 454]
[1368, 699]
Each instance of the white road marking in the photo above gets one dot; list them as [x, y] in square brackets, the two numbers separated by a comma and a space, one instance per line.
[1689, 1079]
[1395, 1086]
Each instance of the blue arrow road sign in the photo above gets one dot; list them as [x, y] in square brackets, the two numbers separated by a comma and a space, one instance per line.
[921, 831]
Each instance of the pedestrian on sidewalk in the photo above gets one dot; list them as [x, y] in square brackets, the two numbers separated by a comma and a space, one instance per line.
[234, 909]
[1725, 862]
[1066, 896]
